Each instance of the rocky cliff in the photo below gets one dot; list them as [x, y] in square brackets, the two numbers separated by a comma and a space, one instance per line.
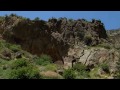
[54, 37]
[65, 40]
[114, 36]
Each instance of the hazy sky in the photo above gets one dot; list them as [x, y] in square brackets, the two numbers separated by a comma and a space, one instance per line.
[111, 19]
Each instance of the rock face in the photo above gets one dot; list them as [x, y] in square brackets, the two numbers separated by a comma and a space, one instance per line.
[94, 56]
[54, 37]
[114, 36]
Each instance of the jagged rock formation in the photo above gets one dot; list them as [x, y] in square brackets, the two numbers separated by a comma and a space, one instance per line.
[114, 36]
[53, 37]
[67, 41]
[94, 56]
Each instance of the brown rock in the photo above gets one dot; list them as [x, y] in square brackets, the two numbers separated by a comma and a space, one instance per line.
[51, 74]
[54, 37]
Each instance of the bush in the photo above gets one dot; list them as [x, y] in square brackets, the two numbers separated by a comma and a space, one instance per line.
[22, 69]
[19, 63]
[81, 34]
[79, 67]
[37, 19]
[51, 67]
[14, 48]
[44, 60]
[25, 73]
[105, 46]
[105, 67]
[88, 40]
[69, 74]
[3, 44]
[118, 68]
[1, 18]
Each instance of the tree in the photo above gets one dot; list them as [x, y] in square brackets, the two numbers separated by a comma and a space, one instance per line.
[37, 19]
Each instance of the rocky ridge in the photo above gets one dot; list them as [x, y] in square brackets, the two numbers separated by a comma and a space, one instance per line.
[63, 39]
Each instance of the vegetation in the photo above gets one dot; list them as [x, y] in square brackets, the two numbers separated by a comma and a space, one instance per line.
[67, 34]
[118, 65]
[19, 63]
[27, 68]
[104, 45]
[37, 19]
[117, 76]
[28, 72]
[79, 67]
[105, 67]
[81, 70]
[14, 47]
[88, 40]
[69, 74]
[16, 68]
[51, 67]
[43, 60]
[1, 18]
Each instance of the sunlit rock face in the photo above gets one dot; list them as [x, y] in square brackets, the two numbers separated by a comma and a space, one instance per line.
[54, 37]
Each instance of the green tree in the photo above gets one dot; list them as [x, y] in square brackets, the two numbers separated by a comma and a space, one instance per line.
[37, 19]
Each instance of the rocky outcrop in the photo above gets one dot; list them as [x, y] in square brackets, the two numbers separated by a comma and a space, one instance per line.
[54, 37]
[114, 36]
[93, 57]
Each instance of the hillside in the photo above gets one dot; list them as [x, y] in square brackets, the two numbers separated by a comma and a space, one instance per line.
[58, 48]
[114, 36]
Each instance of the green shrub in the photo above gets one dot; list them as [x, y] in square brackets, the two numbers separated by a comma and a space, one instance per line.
[2, 18]
[43, 60]
[105, 46]
[51, 67]
[37, 19]
[25, 73]
[22, 69]
[2, 44]
[79, 67]
[14, 47]
[118, 69]
[19, 63]
[69, 74]
[81, 34]
[88, 40]
[84, 74]
[105, 67]
[81, 70]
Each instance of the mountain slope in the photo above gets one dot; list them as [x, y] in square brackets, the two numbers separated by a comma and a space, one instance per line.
[68, 42]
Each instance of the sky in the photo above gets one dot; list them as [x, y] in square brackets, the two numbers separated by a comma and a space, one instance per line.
[111, 19]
